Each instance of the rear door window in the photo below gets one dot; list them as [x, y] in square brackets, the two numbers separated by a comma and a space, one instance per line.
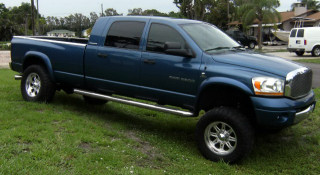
[300, 33]
[293, 33]
[125, 34]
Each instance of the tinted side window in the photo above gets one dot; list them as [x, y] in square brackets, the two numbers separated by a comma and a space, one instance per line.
[159, 34]
[300, 33]
[293, 33]
[125, 34]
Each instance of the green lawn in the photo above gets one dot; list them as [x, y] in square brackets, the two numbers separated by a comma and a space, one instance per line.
[69, 137]
[317, 61]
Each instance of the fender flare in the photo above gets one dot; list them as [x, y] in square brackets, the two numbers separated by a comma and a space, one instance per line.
[44, 58]
[222, 81]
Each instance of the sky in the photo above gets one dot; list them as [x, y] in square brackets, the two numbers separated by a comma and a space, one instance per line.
[63, 8]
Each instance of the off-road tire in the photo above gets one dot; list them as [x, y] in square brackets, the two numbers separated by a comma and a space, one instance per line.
[45, 92]
[243, 131]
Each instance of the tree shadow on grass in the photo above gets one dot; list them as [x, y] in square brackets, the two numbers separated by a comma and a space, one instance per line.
[284, 150]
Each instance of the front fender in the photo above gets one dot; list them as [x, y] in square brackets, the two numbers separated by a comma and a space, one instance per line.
[225, 82]
[44, 58]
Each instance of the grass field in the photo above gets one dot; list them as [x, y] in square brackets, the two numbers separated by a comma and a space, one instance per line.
[316, 61]
[69, 137]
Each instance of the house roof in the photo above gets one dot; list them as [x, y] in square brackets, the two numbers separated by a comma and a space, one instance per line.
[61, 31]
[315, 16]
[285, 16]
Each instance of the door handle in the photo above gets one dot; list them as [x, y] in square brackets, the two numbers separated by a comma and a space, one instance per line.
[102, 55]
[147, 61]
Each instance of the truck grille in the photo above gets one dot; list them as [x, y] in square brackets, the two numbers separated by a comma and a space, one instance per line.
[299, 83]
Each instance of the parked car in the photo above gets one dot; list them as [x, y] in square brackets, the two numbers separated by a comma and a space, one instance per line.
[243, 39]
[305, 39]
[184, 63]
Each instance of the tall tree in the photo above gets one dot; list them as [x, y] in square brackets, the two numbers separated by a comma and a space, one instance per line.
[193, 9]
[262, 10]
[311, 4]
[111, 12]
[135, 12]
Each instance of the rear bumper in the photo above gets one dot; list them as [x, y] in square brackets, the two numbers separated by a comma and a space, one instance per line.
[282, 112]
[296, 49]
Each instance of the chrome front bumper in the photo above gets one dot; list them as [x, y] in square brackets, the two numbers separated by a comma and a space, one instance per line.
[304, 114]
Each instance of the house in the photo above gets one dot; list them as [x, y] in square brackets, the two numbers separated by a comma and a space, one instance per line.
[61, 33]
[299, 17]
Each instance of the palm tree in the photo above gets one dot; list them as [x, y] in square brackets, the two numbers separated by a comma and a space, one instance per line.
[311, 4]
[262, 10]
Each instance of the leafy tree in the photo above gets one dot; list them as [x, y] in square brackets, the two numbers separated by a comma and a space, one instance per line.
[193, 9]
[112, 12]
[311, 4]
[262, 10]
[135, 12]
[93, 18]
[153, 12]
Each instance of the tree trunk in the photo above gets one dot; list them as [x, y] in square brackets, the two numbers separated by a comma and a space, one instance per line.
[260, 34]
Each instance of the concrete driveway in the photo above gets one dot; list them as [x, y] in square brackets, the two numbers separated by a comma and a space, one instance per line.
[4, 59]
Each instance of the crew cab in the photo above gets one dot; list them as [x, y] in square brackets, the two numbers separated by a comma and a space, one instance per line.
[188, 64]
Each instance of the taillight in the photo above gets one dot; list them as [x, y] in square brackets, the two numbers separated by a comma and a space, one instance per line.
[305, 42]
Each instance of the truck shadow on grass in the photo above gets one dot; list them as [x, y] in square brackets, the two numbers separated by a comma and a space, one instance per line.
[285, 150]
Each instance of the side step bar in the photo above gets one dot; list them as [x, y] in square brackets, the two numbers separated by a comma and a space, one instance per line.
[134, 103]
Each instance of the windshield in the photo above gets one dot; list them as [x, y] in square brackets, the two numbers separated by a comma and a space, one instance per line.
[209, 38]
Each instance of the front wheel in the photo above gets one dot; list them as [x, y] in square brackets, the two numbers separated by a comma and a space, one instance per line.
[224, 134]
[36, 85]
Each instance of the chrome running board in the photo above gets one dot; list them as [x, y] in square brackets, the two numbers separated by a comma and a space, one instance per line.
[134, 103]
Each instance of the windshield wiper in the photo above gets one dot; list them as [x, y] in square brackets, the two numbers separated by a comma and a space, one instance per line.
[239, 48]
[217, 48]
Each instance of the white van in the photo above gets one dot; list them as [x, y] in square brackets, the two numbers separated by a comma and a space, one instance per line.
[305, 39]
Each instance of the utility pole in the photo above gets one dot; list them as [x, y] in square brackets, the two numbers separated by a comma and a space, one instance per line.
[38, 26]
[32, 17]
[102, 10]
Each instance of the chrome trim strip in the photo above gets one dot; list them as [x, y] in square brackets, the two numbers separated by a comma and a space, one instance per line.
[51, 41]
[303, 114]
[17, 77]
[134, 103]
[289, 78]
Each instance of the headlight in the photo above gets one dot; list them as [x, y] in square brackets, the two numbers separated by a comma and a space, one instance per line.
[268, 86]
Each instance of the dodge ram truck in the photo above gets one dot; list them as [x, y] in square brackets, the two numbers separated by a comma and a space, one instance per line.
[189, 65]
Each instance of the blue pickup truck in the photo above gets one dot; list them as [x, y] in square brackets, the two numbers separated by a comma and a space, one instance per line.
[189, 65]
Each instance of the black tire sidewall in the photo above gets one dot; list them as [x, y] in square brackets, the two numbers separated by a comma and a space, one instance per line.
[313, 51]
[254, 45]
[47, 89]
[240, 125]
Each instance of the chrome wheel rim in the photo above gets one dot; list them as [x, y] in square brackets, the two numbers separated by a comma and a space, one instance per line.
[220, 138]
[33, 85]
[317, 51]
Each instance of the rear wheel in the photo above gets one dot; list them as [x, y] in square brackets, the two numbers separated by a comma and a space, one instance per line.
[36, 84]
[224, 134]
[299, 53]
[316, 51]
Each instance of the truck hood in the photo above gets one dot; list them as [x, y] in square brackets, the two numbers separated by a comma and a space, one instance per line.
[266, 63]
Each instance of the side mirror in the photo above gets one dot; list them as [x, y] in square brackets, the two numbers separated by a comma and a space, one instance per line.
[174, 48]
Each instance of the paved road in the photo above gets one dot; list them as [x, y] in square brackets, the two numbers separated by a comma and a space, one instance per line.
[315, 67]
[5, 59]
